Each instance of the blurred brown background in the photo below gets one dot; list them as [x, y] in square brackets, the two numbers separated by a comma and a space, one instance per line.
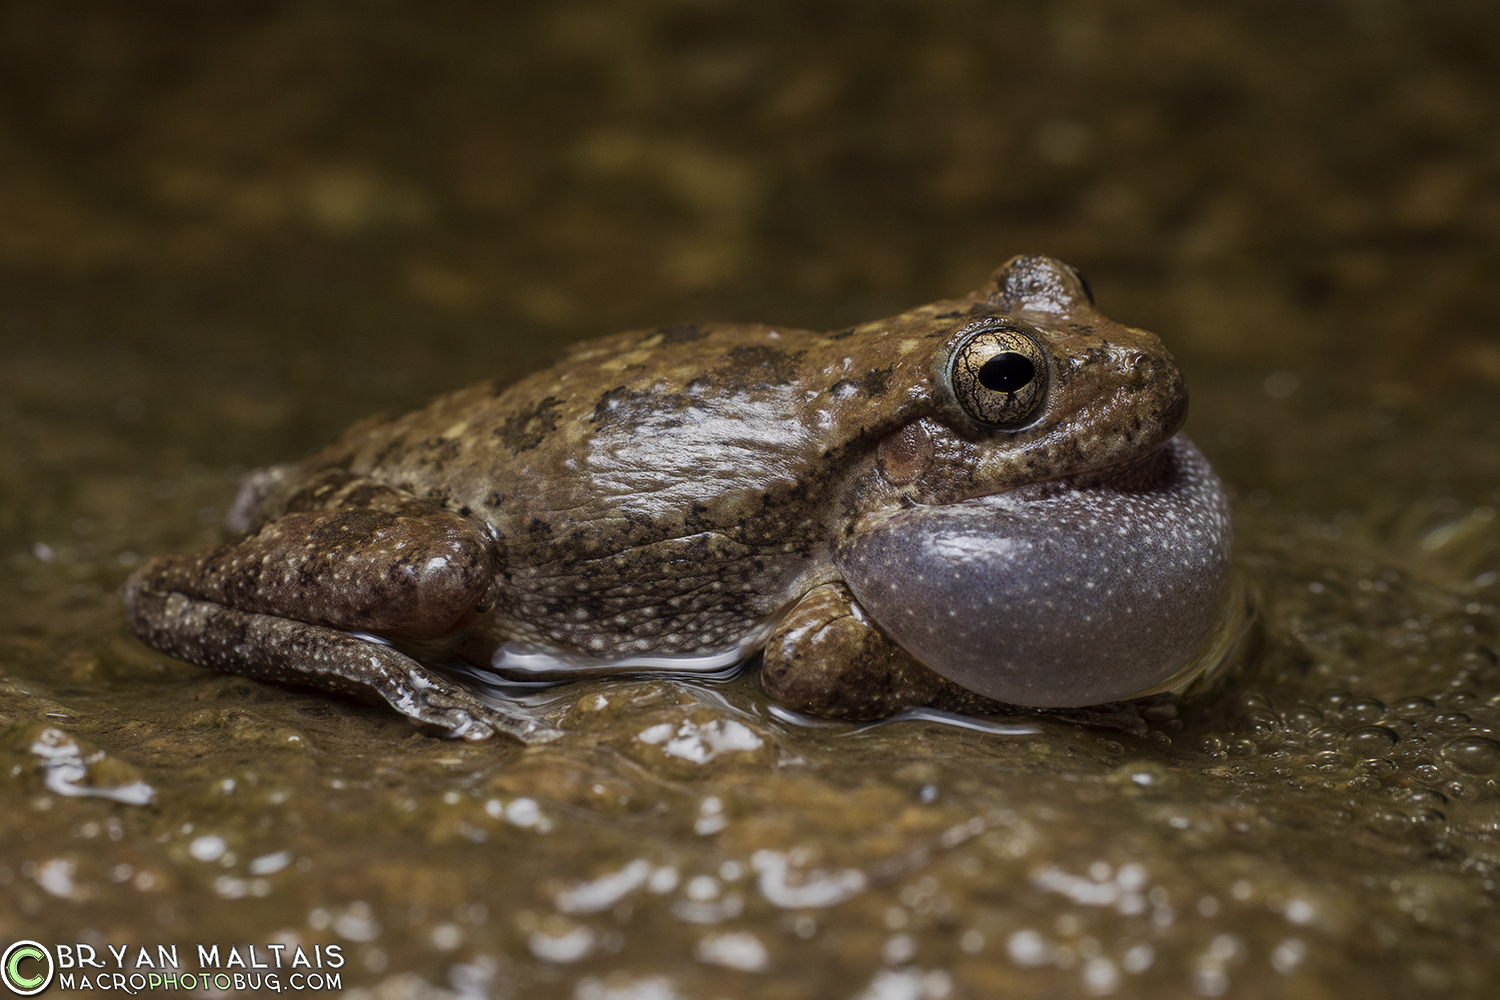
[229, 228]
[270, 217]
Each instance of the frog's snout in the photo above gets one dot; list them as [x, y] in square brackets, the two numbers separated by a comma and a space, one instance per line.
[1163, 382]
[1148, 395]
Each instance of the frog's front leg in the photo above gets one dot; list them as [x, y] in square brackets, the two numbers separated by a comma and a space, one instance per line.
[828, 659]
[287, 602]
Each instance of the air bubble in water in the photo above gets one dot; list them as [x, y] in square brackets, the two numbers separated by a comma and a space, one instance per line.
[1473, 754]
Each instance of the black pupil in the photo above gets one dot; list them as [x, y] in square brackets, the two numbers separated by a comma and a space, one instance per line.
[1007, 372]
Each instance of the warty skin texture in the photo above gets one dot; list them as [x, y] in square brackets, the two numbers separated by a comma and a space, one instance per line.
[671, 492]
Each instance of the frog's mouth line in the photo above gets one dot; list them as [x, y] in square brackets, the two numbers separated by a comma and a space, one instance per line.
[1133, 475]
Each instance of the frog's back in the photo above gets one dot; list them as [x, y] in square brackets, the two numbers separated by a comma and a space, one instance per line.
[665, 425]
[678, 481]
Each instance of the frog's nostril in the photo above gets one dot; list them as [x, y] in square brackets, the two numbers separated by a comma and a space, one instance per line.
[1152, 365]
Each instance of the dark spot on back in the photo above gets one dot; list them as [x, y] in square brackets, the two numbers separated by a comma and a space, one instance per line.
[526, 428]
[622, 407]
[876, 381]
[539, 530]
[494, 500]
[756, 367]
[842, 334]
[611, 404]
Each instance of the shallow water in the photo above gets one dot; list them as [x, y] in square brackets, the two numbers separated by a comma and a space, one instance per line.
[225, 233]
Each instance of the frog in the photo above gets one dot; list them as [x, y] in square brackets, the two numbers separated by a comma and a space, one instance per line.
[979, 504]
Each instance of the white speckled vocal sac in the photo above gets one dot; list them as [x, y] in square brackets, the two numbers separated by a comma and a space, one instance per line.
[1054, 597]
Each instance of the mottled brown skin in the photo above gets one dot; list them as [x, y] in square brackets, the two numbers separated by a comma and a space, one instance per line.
[668, 492]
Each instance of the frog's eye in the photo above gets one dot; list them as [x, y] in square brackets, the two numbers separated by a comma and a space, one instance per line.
[999, 376]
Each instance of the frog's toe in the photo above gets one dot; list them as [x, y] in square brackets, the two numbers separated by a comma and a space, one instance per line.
[440, 703]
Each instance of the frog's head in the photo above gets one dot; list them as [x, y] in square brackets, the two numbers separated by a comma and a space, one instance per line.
[1031, 529]
[1032, 383]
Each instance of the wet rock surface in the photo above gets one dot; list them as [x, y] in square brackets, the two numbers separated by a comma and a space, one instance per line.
[227, 235]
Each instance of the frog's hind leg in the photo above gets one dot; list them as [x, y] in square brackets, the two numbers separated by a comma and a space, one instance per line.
[283, 650]
[317, 595]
